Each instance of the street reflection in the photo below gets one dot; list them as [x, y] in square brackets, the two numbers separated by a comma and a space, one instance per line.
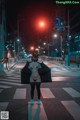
[34, 112]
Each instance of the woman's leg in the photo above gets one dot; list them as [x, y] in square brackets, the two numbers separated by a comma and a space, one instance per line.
[38, 89]
[32, 89]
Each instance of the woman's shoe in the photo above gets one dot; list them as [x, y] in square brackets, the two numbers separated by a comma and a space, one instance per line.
[32, 101]
[39, 101]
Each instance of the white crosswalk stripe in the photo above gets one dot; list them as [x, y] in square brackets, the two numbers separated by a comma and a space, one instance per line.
[72, 92]
[58, 69]
[20, 93]
[16, 81]
[15, 78]
[5, 86]
[73, 108]
[36, 112]
[10, 81]
[46, 93]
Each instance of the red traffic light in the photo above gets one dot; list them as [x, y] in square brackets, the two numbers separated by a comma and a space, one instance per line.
[42, 24]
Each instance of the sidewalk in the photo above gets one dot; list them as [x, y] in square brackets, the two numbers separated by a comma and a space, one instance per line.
[73, 66]
[5, 71]
[2, 73]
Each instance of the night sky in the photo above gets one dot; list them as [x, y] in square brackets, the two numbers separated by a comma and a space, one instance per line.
[30, 11]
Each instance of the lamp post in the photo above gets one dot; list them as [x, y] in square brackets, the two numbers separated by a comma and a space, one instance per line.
[61, 45]
[44, 43]
[68, 61]
[48, 48]
[67, 58]
[55, 36]
[14, 50]
[18, 40]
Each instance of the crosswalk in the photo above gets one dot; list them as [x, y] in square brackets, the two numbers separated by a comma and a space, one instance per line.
[10, 81]
[39, 112]
[56, 68]
[73, 108]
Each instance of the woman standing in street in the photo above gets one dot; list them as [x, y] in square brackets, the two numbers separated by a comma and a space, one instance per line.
[35, 73]
[35, 79]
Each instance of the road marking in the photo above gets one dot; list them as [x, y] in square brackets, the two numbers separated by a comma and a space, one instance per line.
[10, 83]
[73, 108]
[4, 86]
[36, 112]
[55, 69]
[3, 106]
[10, 80]
[1, 90]
[20, 93]
[46, 93]
[13, 78]
[72, 92]
[13, 74]
[60, 78]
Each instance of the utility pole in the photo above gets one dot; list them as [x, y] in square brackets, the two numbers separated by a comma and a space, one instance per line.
[48, 49]
[18, 28]
[68, 39]
[18, 34]
[61, 45]
[18, 39]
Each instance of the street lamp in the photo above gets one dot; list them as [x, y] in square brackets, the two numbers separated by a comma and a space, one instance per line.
[32, 48]
[18, 40]
[44, 43]
[42, 24]
[39, 47]
[55, 36]
[14, 50]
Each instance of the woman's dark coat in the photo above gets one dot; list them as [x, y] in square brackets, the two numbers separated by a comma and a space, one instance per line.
[44, 72]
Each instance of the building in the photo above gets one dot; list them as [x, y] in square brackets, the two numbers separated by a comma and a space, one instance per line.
[2, 32]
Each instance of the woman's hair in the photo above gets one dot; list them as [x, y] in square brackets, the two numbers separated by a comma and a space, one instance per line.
[35, 57]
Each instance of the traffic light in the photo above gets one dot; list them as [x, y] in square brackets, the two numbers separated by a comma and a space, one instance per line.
[42, 24]
[32, 48]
